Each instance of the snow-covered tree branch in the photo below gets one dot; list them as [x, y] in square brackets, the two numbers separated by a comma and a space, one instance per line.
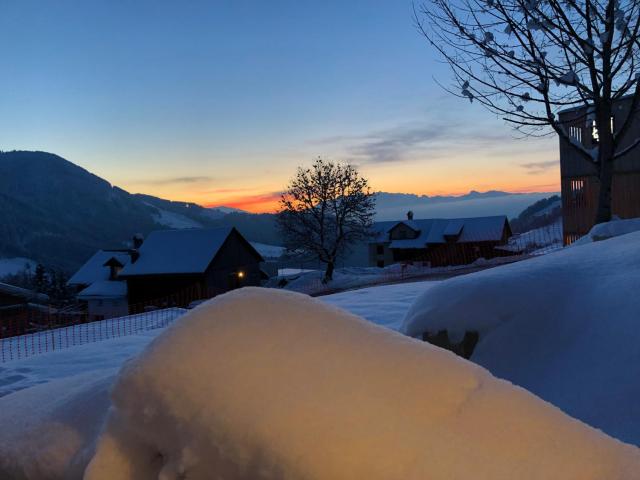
[528, 60]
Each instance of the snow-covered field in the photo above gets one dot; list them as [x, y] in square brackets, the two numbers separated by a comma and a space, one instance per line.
[310, 281]
[275, 382]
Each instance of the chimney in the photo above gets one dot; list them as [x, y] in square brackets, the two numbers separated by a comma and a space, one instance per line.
[136, 244]
[409, 215]
[137, 240]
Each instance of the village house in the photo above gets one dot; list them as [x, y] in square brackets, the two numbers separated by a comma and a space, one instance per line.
[97, 284]
[18, 307]
[439, 241]
[580, 184]
[176, 267]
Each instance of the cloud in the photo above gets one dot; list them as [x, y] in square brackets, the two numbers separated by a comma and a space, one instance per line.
[535, 168]
[177, 180]
[394, 145]
[427, 141]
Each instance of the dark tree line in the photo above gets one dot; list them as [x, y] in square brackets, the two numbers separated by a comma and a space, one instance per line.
[50, 281]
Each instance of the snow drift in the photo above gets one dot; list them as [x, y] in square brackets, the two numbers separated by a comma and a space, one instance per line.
[267, 384]
[564, 326]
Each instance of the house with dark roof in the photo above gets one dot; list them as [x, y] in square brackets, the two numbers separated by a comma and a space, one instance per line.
[19, 308]
[97, 284]
[177, 267]
[438, 241]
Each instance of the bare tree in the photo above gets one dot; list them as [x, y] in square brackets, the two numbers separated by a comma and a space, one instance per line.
[325, 209]
[526, 60]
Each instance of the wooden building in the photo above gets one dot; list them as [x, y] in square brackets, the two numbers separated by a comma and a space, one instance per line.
[179, 266]
[20, 309]
[580, 184]
[439, 241]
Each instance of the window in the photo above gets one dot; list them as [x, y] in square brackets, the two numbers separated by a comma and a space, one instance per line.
[594, 131]
[575, 133]
[577, 193]
[380, 250]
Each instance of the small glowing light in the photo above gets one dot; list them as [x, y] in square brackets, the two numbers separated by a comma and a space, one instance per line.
[240, 274]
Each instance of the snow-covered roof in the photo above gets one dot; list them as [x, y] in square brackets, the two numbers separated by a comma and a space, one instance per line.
[104, 289]
[22, 293]
[179, 251]
[413, 225]
[94, 269]
[434, 230]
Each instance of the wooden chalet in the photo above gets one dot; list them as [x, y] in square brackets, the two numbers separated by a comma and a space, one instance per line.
[179, 266]
[439, 241]
[580, 184]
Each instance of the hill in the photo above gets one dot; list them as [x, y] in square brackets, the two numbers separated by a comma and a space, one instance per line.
[57, 213]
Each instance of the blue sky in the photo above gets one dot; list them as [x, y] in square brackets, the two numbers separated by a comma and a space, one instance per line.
[218, 102]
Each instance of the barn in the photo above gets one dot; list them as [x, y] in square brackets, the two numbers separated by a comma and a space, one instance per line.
[439, 241]
[580, 184]
[177, 267]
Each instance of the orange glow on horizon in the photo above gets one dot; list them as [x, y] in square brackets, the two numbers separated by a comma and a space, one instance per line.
[258, 203]
[268, 202]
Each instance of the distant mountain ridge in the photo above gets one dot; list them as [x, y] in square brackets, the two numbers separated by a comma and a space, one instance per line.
[59, 214]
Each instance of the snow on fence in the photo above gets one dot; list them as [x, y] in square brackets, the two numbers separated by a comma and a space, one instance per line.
[50, 337]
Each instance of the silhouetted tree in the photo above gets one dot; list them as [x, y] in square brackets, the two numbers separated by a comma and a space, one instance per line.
[325, 209]
[526, 60]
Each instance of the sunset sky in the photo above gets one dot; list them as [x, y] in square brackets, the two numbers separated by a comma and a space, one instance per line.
[218, 102]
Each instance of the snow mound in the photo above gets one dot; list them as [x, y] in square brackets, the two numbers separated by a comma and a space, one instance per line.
[564, 326]
[611, 229]
[265, 384]
[48, 431]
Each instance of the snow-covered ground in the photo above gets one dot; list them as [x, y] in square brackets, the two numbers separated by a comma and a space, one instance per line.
[565, 326]
[11, 266]
[385, 305]
[88, 358]
[310, 281]
[292, 372]
[270, 384]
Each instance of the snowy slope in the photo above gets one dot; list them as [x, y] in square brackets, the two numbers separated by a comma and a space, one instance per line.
[564, 326]
[174, 220]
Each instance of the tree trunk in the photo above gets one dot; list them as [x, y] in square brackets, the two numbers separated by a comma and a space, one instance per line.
[603, 213]
[605, 161]
[328, 274]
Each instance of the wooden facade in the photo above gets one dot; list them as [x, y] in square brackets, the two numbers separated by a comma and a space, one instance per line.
[440, 242]
[579, 181]
[235, 264]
